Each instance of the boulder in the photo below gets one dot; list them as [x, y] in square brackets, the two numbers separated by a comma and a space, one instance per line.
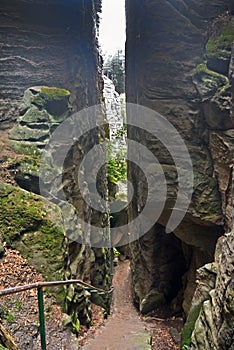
[26, 224]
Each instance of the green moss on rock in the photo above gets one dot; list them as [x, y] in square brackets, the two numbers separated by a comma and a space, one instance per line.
[24, 133]
[53, 93]
[30, 150]
[215, 91]
[33, 115]
[209, 82]
[32, 165]
[26, 225]
[19, 212]
[220, 42]
[189, 327]
[43, 94]
[202, 70]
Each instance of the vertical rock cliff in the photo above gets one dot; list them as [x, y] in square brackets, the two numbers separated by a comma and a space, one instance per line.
[50, 43]
[178, 64]
[50, 62]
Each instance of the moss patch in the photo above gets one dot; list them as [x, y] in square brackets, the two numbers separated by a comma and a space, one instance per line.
[53, 93]
[25, 225]
[202, 70]
[44, 94]
[209, 82]
[20, 148]
[220, 42]
[19, 212]
[30, 165]
[189, 327]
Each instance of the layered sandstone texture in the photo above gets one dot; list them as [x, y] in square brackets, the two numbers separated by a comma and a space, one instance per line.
[49, 43]
[179, 65]
[44, 110]
[50, 68]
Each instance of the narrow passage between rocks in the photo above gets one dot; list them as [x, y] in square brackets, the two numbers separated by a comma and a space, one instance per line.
[124, 330]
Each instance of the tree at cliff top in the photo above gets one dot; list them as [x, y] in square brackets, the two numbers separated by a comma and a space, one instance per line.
[114, 68]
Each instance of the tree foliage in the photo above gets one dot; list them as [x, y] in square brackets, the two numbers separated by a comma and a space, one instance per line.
[114, 68]
[116, 158]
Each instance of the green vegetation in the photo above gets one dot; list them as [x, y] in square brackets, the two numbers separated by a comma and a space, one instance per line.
[185, 347]
[10, 318]
[212, 81]
[26, 224]
[29, 165]
[52, 93]
[116, 159]
[189, 327]
[26, 164]
[18, 305]
[114, 68]
[202, 70]
[117, 167]
[49, 94]
[29, 150]
[20, 212]
[220, 42]
[116, 252]
[6, 314]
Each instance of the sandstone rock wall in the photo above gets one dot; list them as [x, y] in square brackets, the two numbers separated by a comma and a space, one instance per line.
[178, 54]
[214, 327]
[50, 43]
[45, 109]
[47, 44]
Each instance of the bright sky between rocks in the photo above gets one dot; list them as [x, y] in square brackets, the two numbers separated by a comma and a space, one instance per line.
[112, 26]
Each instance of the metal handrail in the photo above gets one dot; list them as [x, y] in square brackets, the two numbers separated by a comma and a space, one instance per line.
[39, 286]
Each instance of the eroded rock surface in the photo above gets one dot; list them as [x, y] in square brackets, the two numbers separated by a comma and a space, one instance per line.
[214, 325]
[47, 44]
[27, 227]
[50, 43]
[43, 110]
[179, 65]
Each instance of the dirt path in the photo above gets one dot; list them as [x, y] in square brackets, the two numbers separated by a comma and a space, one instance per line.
[124, 330]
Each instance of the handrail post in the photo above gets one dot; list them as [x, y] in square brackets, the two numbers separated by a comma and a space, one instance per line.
[39, 286]
[41, 317]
